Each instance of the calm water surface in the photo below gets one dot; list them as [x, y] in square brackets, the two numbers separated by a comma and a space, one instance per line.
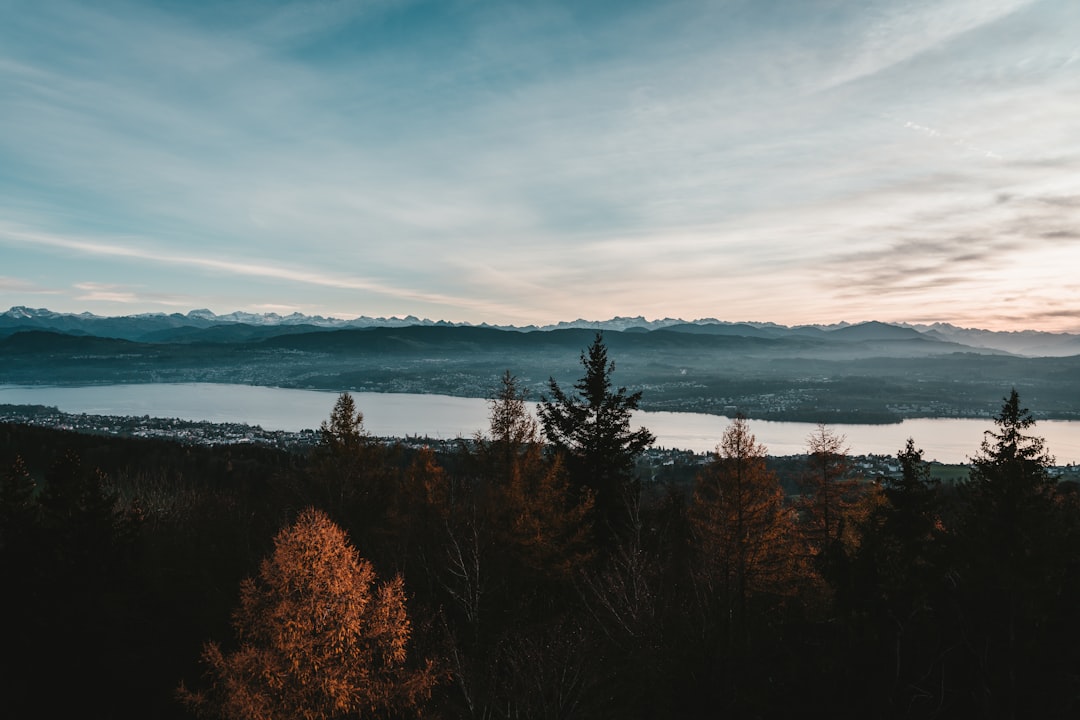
[399, 414]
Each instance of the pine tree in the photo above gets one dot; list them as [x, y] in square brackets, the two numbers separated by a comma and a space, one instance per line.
[911, 513]
[344, 430]
[890, 591]
[591, 427]
[349, 476]
[1011, 465]
[1013, 562]
[1009, 493]
[512, 431]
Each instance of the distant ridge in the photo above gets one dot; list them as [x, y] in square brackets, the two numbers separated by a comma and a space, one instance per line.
[205, 326]
[22, 316]
[866, 372]
[874, 330]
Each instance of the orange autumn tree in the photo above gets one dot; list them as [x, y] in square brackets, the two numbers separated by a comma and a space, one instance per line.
[318, 638]
[541, 516]
[829, 502]
[740, 526]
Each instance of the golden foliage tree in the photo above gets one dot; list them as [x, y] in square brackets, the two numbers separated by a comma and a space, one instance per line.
[542, 517]
[318, 638]
[441, 527]
[830, 497]
[741, 528]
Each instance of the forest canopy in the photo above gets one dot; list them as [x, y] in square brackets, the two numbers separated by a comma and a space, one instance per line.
[533, 572]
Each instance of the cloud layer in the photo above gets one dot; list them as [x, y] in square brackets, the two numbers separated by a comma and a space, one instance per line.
[788, 161]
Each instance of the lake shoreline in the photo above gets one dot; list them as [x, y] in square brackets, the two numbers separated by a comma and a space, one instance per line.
[447, 417]
[828, 417]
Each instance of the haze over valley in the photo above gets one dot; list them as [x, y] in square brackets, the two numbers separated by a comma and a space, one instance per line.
[865, 373]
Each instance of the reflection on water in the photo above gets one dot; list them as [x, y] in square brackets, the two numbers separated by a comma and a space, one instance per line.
[393, 414]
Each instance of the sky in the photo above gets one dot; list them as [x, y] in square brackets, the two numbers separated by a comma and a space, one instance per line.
[526, 162]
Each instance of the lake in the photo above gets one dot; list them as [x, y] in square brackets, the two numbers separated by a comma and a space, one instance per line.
[441, 416]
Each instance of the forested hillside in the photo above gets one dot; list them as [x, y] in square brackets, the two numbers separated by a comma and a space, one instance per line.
[530, 573]
[869, 373]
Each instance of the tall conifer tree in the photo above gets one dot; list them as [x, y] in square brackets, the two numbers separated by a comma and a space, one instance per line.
[591, 427]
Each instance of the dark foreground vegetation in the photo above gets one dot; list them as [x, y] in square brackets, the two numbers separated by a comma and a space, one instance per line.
[530, 574]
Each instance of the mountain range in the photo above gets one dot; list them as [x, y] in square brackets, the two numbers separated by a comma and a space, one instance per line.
[205, 326]
[866, 372]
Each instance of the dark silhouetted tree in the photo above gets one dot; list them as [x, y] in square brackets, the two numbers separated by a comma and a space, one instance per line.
[78, 589]
[1012, 563]
[344, 431]
[81, 511]
[512, 431]
[892, 594]
[591, 427]
[903, 533]
[350, 478]
[1011, 465]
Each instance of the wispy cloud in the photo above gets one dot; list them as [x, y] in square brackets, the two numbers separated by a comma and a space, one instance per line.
[98, 292]
[24, 287]
[890, 33]
[229, 267]
[115, 294]
[501, 162]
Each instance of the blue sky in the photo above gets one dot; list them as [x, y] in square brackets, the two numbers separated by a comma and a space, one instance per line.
[798, 161]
